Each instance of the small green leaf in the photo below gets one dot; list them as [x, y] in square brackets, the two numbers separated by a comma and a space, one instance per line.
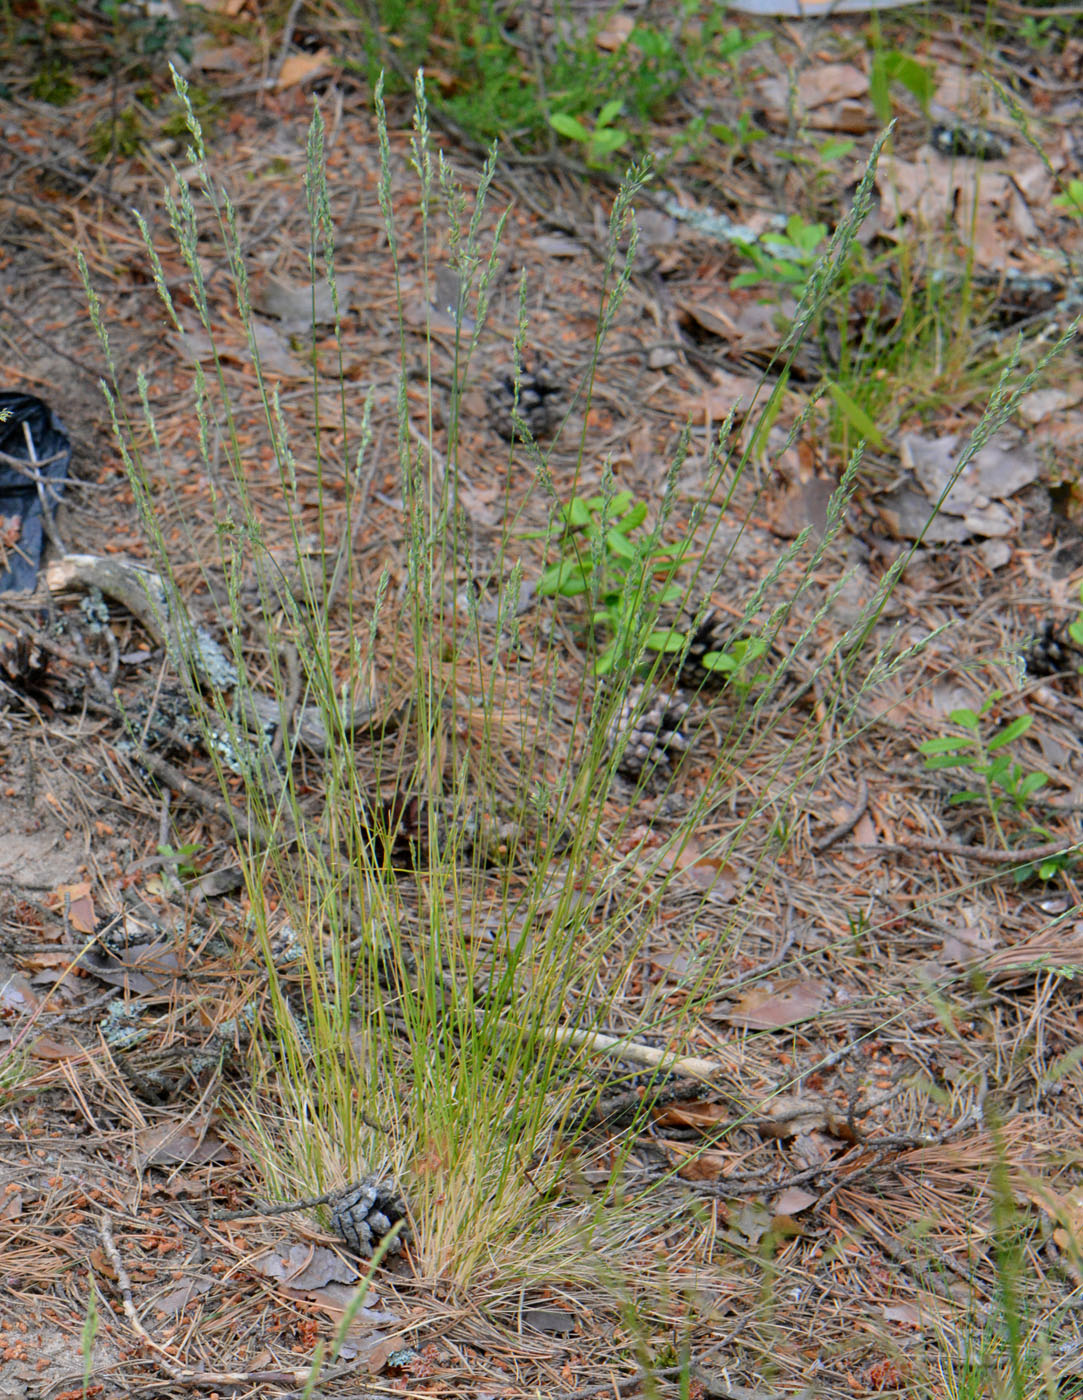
[609, 111]
[1010, 732]
[971, 795]
[949, 743]
[666, 639]
[618, 545]
[578, 512]
[965, 718]
[937, 762]
[569, 578]
[1031, 783]
[835, 150]
[569, 126]
[855, 415]
[634, 518]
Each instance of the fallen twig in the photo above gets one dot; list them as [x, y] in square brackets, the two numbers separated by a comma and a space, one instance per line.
[860, 807]
[988, 855]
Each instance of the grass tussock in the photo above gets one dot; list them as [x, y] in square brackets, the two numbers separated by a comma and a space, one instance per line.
[446, 867]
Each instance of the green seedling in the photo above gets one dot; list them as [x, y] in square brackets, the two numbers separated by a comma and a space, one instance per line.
[893, 67]
[737, 664]
[1005, 785]
[607, 553]
[601, 139]
[627, 575]
[1071, 201]
[181, 858]
[785, 258]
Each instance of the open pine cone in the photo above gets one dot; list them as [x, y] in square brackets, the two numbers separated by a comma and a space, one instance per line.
[650, 721]
[1051, 652]
[538, 404]
[364, 1212]
[712, 634]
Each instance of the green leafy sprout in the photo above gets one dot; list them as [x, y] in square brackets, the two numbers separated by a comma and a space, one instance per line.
[1004, 783]
[628, 577]
[601, 139]
[608, 554]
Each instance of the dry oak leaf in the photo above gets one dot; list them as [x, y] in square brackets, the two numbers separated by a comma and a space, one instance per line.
[773, 1008]
[792, 1201]
[691, 1115]
[302, 67]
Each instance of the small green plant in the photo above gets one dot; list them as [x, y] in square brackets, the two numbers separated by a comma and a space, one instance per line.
[745, 133]
[737, 664]
[1005, 784]
[785, 258]
[1037, 33]
[892, 67]
[181, 858]
[89, 1335]
[630, 577]
[601, 139]
[627, 576]
[1071, 201]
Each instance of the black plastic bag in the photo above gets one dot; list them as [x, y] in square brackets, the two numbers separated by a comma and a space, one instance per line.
[35, 453]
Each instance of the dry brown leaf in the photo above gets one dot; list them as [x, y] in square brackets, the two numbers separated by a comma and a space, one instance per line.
[691, 1115]
[908, 1313]
[76, 902]
[615, 33]
[175, 1301]
[831, 82]
[695, 864]
[697, 1165]
[306, 1267]
[1066, 1211]
[46, 1048]
[180, 1144]
[770, 1009]
[967, 946]
[787, 1115]
[729, 391]
[230, 8]
[16, 994]
[712, 315]
[793, 1200]
[800, 505]
[301, 67]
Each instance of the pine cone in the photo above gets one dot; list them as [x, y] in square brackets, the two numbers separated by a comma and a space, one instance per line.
[363, 1213]
[537, 406]
[1050, 652]
[712, 634]
[24, 666]
[650, 720]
